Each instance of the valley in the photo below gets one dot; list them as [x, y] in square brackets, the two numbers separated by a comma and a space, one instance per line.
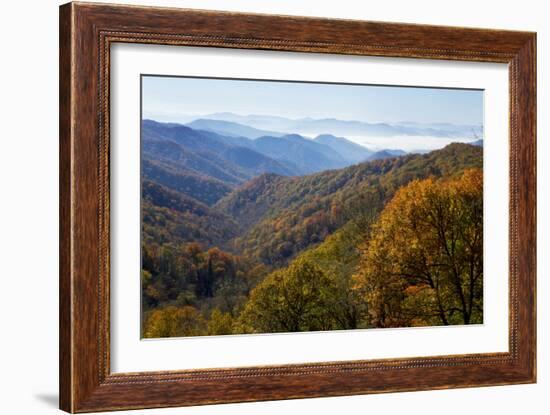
[240, 222]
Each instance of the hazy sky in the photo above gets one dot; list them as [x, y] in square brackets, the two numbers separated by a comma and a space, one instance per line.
[198, 96]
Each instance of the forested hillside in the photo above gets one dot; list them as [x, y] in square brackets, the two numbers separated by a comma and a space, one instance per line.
[171, 217]
[234, 228]
[287, 215]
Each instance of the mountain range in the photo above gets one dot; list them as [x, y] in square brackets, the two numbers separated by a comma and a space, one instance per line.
[208, 161]
[176, 156]
[215, 188]
[228, 209]
[312, 127]
[269, 216]
[229, 128]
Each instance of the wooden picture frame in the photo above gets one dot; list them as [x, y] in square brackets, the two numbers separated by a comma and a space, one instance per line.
[86, 33]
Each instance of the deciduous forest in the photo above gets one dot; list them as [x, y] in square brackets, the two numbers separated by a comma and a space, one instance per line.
[284, 233]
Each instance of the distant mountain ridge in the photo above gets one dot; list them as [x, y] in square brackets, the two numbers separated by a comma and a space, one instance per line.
[235, 159]
[344, 147]
[231, 129]
[311, 126]
[385, 154]
[229, 159]
[307, 154]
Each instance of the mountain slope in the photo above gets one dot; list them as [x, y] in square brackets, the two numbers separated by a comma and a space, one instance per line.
[347, 149]
[235, 159]
[204, 189]
[229, 128]
[256, 163]
[308, 155]
[385, 154]
[285, 215]
[230, 159]
[171, 217]
[176, 157]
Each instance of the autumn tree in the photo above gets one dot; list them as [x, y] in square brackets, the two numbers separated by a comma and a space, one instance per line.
[297, 298]
[174, 322]
[220, 323]
[423, 264]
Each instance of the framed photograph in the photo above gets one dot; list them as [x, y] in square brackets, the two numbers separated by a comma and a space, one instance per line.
[260, 207]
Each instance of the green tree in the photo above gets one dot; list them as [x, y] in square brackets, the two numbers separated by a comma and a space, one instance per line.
[220, 323]
[297, 298]
[174, 322]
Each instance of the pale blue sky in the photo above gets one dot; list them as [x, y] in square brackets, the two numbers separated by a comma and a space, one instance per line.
[199, 96]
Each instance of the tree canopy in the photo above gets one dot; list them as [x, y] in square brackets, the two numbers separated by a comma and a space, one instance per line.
[423, 264]
[298, 298]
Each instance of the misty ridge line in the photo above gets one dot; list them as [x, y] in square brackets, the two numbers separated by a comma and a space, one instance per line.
[261, 120]
[235, 153]
[411, 137]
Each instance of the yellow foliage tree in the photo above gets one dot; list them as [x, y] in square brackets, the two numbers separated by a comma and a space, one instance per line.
[423, 264]
[220, 323]
[174, 322]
